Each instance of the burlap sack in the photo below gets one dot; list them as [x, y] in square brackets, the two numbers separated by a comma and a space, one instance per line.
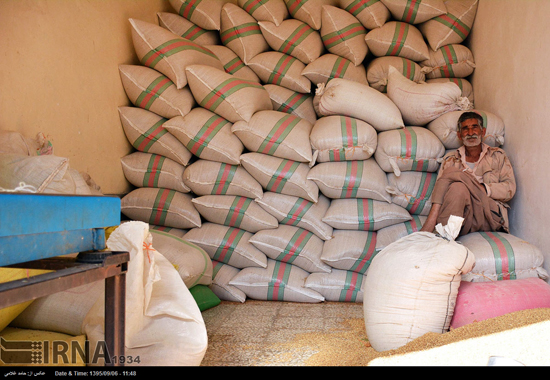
[295, 211]
[153, 170]
[342, 138]
[421, 103]
[502, 256]
[241, 33]
[364, 214]
[205, 177]
[449, 61]
[168, 53]
[409, 149]
[163, 207]
[204, 13]
[343, 34]
[224, 273]
[228, 245]
[452, 27]
[464, 85]
[184, 28]
[280, 175]
[232, 63]
[207, 135]
[351, 179]
[387, 235]
[234, 211]
[308, 11]
[15, 142]
[277, 134]
[337, 286]
[295, 38]
[292, 245]
[192, 262]
[177, 232]
[350, 250]
[148, 89]
[378, 68]
[396, 38]
[372, 14]
[415, 12]
[412, 190]
[144, 130]
[358, 100]
[281, 69]
[278, 282]
[329, 66]
[40, 174]
[446, 126]
[292, 102]
[274, 11]
[225, 94]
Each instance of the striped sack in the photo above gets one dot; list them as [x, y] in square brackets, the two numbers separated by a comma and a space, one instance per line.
[337, 286]
[292, 245]
[329, 66]
[204, 13]
[412, 190]
[449, 61]
[502, 256]
[295, 211]
[371, 13]
[280, 175]
[364, 214]
[452, 27]
[342, 138]
[207, 135]
[277, 134]
[177, 232]
[400, 39]
[241, 33]
[278, 282]
[378, 68]
[464, 85]
[387, 235]
[153, 170]
[343, 34]
[148, 89]
[205, 177]
[183, 27]
[351, 179]
[163, 207]
[295, 38]
[192, 262]
[145, 131]
[234, 211]
[415, 11]
[227, 95]
[350, 250]
[232, 64]
[228, 245]
[222, 274]
[308, 11]
[168, 53]
[281, 69]
[274, 11]
[409, 149]
[292, 102]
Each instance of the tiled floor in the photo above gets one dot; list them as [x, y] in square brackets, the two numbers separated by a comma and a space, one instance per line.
[258, 333]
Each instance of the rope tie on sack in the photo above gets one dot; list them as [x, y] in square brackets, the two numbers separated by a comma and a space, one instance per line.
[22, 188]
[148, 247]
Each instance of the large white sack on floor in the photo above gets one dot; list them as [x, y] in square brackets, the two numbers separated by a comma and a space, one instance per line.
[164, 325]
[411, 286]
[421, 103]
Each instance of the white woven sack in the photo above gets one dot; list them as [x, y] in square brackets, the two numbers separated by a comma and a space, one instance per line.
[274, 11]
[228, 245]
[337, 286]
[371, 14]
[293, 245]
[446, 126]
[224, 273]
[387, 235]
[295, 211]
[412, 190]
[329, 66]
[464, 85]
[278, 282]
[411, 288]
[502, 256]
[232, 63]
[183, 27]
[350, 250]
[421, 103]
[292, 102]
[377, 71]
[415, 12]
[348, 98]
[449, 61]
[408, 149]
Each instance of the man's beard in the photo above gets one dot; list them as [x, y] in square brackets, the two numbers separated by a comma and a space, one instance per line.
[472, 140]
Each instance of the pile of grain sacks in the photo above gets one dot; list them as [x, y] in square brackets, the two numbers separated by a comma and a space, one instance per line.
[282, 139]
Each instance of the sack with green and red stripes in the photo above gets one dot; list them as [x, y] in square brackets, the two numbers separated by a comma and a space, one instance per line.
[222, 274]
[278, 68]
[183, 27]
[232, 64]
[371, 13]
[337, 286]
[449, 61]
[274, 11]
[204, 13]
[350, 250]
[415, 11]
[412, 190]
[397, 38]
[329, 66]
[292, 102]
[308, 11]
[378, 69]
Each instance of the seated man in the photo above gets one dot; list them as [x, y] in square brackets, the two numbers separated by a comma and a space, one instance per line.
[474, 182]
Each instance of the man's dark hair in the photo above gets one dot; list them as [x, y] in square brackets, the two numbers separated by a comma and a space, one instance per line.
[470, 115]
